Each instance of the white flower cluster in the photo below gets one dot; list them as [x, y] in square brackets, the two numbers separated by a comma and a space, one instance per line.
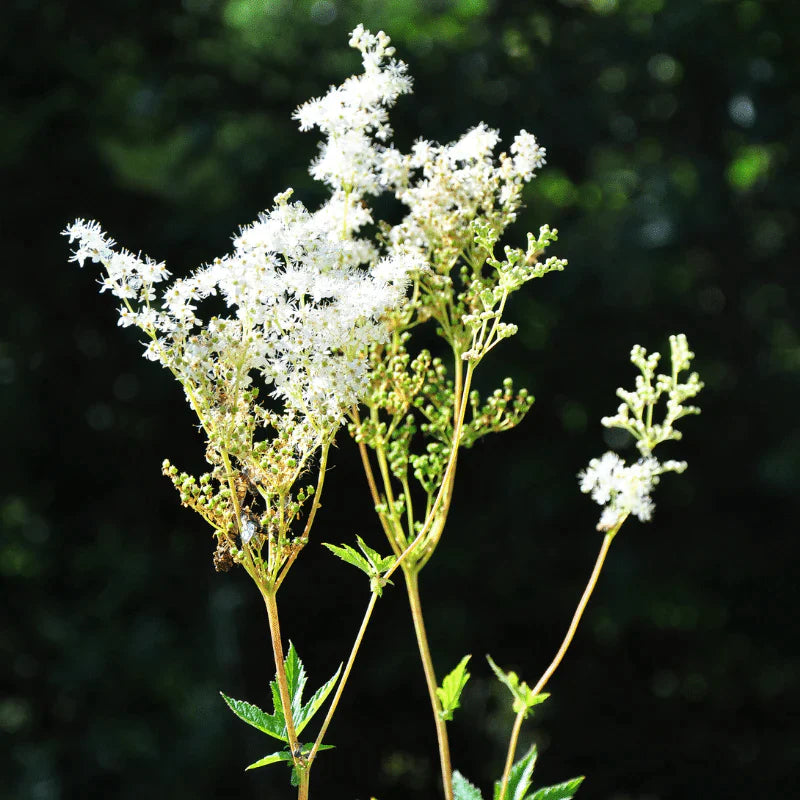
[623, 489]
[302, 307]
[445, 187]
[302, 312]
[354, 115]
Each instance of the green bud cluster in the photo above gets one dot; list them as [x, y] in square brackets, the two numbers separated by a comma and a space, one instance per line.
[420, 407]
[636, 412]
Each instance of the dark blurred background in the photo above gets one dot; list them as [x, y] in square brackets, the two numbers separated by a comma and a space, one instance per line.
[672, 135]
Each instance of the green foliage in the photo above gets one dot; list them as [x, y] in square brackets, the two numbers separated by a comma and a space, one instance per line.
[449, 693]
[524, 697]
[463, 789]
[274, 724]
[519, 779]
[371, 563]
[519, 782]
[560, 791]
[286, 755]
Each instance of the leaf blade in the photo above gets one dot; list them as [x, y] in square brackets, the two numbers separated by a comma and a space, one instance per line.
[449, 693]
[317, 699]
[350, 556]
[271, 724]
[559, 791]
[519, 779]
[463, 789]
[272, 758]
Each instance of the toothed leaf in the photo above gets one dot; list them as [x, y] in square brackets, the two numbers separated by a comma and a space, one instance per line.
[295, 678]
[379, 562]
[560, 791]
[272, 758]
[449, 693]
[524, 697]
[303, 717]
[351, 556]
[272, 724]
[519, 779]
[463, 789]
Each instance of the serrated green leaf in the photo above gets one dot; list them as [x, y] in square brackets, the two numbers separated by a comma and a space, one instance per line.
[524, 698]
[510, 679]
[303, 717]
[278, 706]
[453, 684]
[351, 556]
[295, 679]
[527, 699]
[272, 724]
[285, 755]
[560, 791]
[386, 563]
[463, 789]
[272, 758]
[373, 555]
[519, 779]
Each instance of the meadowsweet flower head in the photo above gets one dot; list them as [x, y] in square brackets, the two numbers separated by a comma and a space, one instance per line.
[624, 490]
[447, 188]
[300, 313]
[354, 117]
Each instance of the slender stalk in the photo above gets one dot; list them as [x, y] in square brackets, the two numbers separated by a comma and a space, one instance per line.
[280, 672]
[576, 618]
[343, 679]
[412, 585]
[323, 462]
[512, 749]
[445, 490]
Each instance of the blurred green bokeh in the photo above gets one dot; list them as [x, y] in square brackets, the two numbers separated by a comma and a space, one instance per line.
[672, 135]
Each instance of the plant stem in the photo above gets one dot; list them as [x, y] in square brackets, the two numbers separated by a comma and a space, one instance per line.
[576, 618]
[412, 585]
[280, 671]
[512, 749]
[302, 789]
[323, 465]
[343, 679]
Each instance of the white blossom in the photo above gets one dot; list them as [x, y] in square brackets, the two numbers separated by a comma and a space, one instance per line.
[301, 313]
[624, 489]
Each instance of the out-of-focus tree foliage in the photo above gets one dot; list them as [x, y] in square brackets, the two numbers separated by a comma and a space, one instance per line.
[672, 131]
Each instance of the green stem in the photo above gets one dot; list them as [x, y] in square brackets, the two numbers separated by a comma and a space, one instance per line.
[302, 789]
[280, 672]
[444, 495]
[343, 679]
[323, 464]
[412, 585]
[512, 749]
[576, 618]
